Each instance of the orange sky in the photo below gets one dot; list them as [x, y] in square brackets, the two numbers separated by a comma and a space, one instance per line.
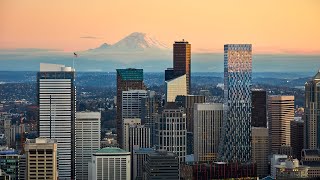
[270, 25]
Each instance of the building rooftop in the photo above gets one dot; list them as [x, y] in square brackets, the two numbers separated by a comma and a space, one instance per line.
[317, 76]
[111, 150]
[130, 74]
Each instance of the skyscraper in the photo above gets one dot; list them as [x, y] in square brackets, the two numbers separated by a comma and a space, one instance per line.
[207, 130]
[280, 114]
[312, 113]
[41, 156]
[88, 134]
[259, 108]
[126, 124]
[127, 79]
[171, 131]
[235, 143]
[110, 163]
[57, 107]
[182, 61]
[131, 103]
[175, 87]
[296, 137]
[260, 150]
[139, 136]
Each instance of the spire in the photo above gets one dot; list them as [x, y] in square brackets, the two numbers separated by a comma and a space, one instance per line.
[317, 76]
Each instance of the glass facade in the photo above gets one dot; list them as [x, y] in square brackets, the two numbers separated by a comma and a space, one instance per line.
[235, 144]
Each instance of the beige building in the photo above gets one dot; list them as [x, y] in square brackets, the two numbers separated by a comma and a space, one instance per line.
[260, 149]
[280, 115]
[175, 87]
[126, 123]
[207, 129]
[311, 158]
[41, 156]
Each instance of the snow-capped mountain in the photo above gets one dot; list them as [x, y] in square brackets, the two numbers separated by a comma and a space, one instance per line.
[136, 41]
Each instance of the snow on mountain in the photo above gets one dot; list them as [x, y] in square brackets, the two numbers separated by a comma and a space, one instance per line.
[136, 41]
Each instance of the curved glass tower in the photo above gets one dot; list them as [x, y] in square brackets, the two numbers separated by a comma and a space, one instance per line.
[235, 144]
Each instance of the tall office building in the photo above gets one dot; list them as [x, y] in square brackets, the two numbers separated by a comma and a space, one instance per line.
[9, 162]
[171, 132]
[88, 134]
[207, 129]
[175, 87]
[312, 113]
[126, 124]
[162, 165]
[41, 156]
[57, 107]
[131, 103]
[237, 104]
[296, 137]
[182, 61]
[260, 150]
[139, 160]
[259, 108]
[280, 114]
[139, 136]
[110, 163]
[127, 79]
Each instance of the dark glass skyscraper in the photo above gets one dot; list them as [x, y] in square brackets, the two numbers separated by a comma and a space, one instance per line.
[127, 79]
[235, 145]
[259, 108]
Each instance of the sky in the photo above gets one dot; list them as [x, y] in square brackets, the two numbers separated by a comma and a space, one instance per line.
[272, 26]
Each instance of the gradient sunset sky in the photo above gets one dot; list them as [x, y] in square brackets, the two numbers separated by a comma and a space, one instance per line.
[272, 26]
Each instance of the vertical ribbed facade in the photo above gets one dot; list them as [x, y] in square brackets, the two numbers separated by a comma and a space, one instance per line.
[207, 130]
[126, 124]
[139, 136]
[312, 113]
[56, 100]
[260, 150]
[88, 134]
[236, 132]
[280, 114]
[131, 103]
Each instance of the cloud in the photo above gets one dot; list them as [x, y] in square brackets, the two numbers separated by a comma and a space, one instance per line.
[90, 37]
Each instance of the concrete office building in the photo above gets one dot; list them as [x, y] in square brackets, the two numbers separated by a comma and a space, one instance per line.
[311, 158]
[41, 159]
[260, 150]
[312, 113]
[57, 108]
[139, 136]
[162, 165]
[171, 130]
[88, 132]
[207, 131]
[280, 115]
[139, 160]
[125, 127]
[131, 103]
[9, 162]
[110, 163]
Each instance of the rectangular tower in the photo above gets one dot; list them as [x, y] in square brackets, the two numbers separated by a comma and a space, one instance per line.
[296, 137]
[280, 114]
[127, 79]
[87, 140]
[57, 108]
[312, 113]
[182, 61]
[236, 133]
[175, 87]
[260, 150]
[207, 130]
[259, 108]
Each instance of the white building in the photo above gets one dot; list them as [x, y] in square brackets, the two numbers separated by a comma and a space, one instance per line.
[139, 136]
[57, 102]
[175, 87]
[207, 130]
[87, 130]
[131, 103]
[126, 123]
[110, 163]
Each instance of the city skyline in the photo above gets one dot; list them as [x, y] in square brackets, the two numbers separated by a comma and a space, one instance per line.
[275, 27]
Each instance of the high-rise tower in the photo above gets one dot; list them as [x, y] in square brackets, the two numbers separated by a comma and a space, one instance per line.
[235, 145]
[127, 79]
[312, 113]
[259, 108]
[57, 108]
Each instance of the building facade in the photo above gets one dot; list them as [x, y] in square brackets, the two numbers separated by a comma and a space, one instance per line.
[312, 113]
[139, 136]
[88, 135]
[311, 158]
[296, 131]
[207, 131]
[280, 114]
[9, 162]
[126, 124]
[175, 87]
[41, 158]
[237, 104]
[57, 108]
[131, 103]
[260, 150]
[259, 108]
[139, 160]
[171, 132]
[110, 163]
[127, 79]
